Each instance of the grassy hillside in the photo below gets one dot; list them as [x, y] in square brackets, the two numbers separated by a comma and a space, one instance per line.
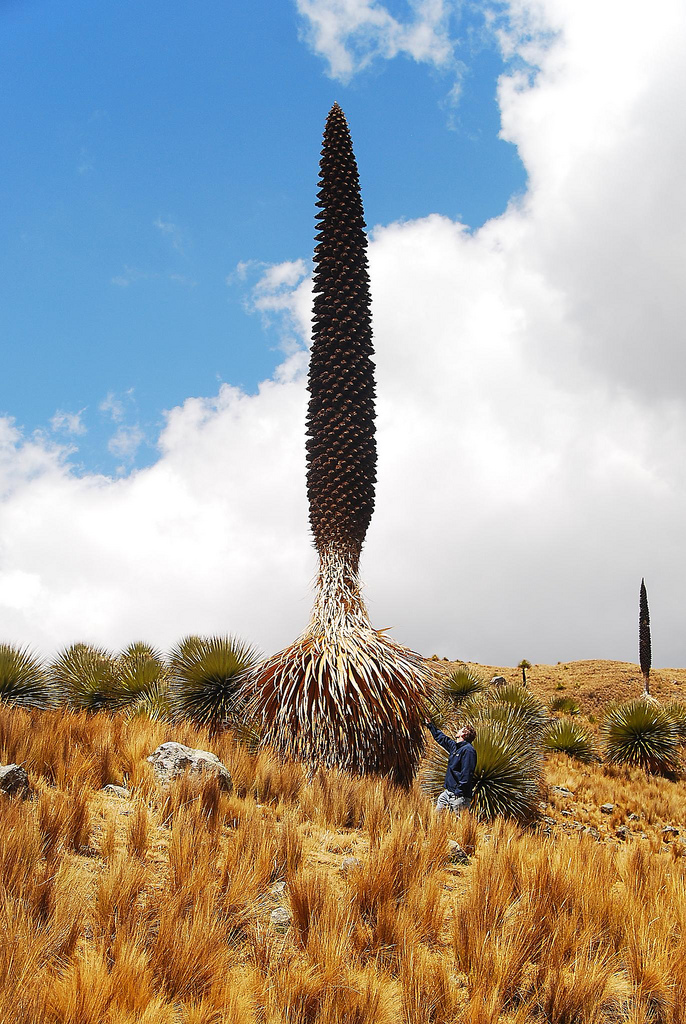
[158, 908]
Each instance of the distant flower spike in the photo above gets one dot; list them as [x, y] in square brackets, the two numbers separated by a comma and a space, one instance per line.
[344, 693]
[644, 654]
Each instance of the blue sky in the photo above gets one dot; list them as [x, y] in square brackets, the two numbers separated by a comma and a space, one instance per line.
[152, 148]
[521, 166]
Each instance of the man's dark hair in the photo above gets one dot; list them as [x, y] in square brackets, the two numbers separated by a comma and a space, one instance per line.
[469, 733]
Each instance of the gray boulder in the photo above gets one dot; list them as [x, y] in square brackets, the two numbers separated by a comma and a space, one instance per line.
[498, 681]
[456, 855]
[171, 760]
[14, 781]
[119, 791]
[280, 919]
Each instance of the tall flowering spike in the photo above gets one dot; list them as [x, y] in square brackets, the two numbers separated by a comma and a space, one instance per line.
[343, 694]
[341, 449]
[644, 653]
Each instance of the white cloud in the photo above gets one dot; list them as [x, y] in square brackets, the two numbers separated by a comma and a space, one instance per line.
[351, 34]
[531, 420]
[125, 442]
[172, 232]
[113, 406]
[68, 422]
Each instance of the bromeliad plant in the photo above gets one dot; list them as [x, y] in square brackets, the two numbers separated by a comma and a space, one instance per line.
[343, 693]
[644, 646]
[508, 769]
[566, 736]
[23, 681]
[207, 680]
[641, 733]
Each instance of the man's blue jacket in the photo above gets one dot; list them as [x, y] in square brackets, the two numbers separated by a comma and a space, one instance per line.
[459, 777]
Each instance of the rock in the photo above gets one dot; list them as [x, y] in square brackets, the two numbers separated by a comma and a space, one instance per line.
[567, 814]
[278, 888]
[173, 759]
[669, 830]
[119, 791]
[456, 854]
[498, 681]
[607, 808]
[562, 791]
[621, 831]
[14, 781]
[633, 817]
[549, 821]
[350, 864]
[280, 919]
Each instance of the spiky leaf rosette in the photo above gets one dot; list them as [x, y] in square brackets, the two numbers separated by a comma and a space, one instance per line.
[207, 679]
[507, 775]
[642, 733]
[523, 704]
[86, 678]
[23, 681]
[571, 738]
[644, 652]
[461, 683]
[566, 705]
[344, 693]
[676, 710]
[144, 681]
[341, 446]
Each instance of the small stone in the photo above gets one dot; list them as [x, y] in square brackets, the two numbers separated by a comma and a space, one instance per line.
[621, 831]
[14, 781]
[118, 791]
[171, 760]
[669, 830]
[562, 791]
[456, 854]
[607, 808]
[633, 817]
[567, 814]
[550, 821]
[280, 919]
[278, 888]
[498, 681]
[349, 864]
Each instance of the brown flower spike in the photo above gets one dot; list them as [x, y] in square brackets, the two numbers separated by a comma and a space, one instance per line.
[343, 694]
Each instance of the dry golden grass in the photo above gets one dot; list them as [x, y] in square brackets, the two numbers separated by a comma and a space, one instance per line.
[156, 909]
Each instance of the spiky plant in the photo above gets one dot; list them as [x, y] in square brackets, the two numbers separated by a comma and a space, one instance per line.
[23, 680]
[207, 678]
[567, 705]
[507, 775]
[677, 712]
[524, 665]
[343, 693]
[571, 738]
[461, 683]
[642, 733]
[528, 708]
[644, 652]
[143, 678]
[86, 678]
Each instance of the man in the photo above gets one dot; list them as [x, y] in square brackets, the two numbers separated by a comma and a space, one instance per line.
[459, 777]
